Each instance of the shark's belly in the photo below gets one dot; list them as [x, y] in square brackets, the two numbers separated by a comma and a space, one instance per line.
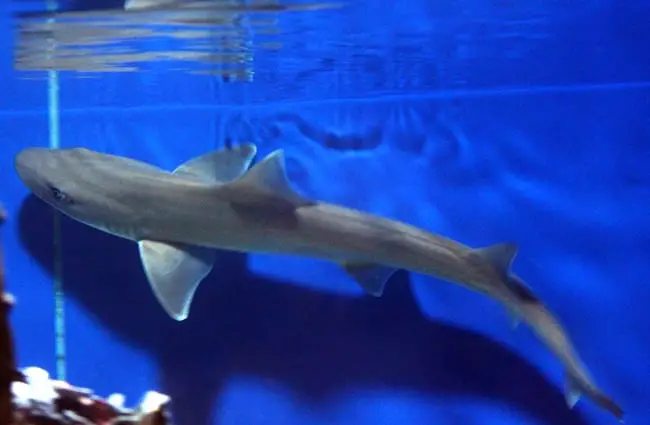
[321, 231]
[308, 232]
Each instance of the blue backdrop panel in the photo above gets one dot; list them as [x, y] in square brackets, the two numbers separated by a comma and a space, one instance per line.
[33, 317]
[24, 122]
[17, 95]
[375, 47]
[283, 340]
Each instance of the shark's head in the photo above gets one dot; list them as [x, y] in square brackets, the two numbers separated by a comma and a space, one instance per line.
[74, 181]
[49, 175]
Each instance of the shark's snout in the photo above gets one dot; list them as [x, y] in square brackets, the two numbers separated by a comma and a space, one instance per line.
[22, 162]
[29, 163]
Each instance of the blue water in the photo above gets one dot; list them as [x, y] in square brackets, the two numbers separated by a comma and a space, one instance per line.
[482, 121]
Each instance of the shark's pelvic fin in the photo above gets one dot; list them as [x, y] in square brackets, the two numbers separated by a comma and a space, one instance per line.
[500, 255]
[220, 166]
[174, 272]
[266, 184]
[371, 277]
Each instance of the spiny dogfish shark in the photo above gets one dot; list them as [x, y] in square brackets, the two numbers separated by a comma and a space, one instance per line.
[218, 201]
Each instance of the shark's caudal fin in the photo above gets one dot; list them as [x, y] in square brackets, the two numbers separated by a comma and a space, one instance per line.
[574, 390]
[174, 271]
[501, 256]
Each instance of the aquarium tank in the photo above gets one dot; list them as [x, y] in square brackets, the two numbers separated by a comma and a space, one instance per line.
[325, 212]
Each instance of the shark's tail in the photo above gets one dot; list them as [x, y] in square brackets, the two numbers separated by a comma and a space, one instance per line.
[577, 387]
[549, 330]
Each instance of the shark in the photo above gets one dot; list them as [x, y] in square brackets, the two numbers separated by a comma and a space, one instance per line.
[220, 200]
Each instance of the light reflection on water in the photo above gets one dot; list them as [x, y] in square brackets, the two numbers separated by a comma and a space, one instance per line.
[216, 37]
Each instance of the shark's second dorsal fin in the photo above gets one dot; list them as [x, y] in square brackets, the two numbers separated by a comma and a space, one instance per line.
[221, 166]
[266, 183]
[499, 255]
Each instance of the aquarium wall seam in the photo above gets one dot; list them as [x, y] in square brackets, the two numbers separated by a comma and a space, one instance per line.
[59, 302]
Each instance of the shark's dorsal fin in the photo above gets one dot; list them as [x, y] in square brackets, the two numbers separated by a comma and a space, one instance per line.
[499, 255]
[221, 166]
[174, 272]
[266, 184]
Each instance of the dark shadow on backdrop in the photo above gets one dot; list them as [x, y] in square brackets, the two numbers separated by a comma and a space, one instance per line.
[315, 343]
[78, 5]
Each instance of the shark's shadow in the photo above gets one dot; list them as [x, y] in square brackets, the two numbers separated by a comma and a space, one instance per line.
[314, 343]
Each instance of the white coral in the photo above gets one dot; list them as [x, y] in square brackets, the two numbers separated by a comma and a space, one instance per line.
[39, 388]
[152, 401]
[116, 400]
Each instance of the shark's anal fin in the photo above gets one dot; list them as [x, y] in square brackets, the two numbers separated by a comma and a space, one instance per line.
[221, 166]
[266, 185]
[174, 272]
[371, 277]
[572, 392]
[515, 318]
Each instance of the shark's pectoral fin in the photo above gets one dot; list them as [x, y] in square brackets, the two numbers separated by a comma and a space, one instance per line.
[371, 277]
[266, 185]
[174, 272]
[220, 166]
[572, 393]
[499, 255]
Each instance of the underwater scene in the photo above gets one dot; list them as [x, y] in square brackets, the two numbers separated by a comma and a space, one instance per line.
[292, 212]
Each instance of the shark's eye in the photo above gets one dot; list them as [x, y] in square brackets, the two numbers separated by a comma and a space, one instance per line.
[60, 196]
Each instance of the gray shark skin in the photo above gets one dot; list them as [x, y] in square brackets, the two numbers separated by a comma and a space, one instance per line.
[215, 201]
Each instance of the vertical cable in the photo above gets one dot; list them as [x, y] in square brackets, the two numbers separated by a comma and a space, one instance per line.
[54, 143]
